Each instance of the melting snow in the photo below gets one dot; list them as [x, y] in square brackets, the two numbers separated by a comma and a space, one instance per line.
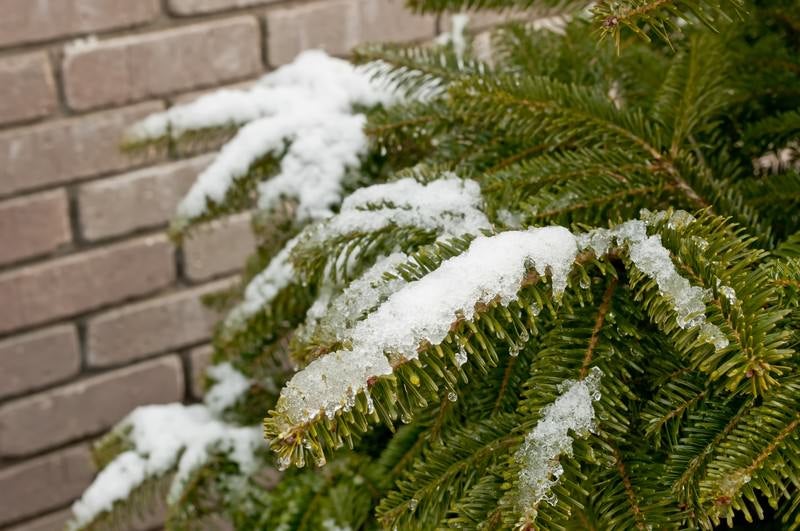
[539, 453]
[492, 268]
[654, 260]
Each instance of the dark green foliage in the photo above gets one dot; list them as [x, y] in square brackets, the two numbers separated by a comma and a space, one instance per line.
[574, 130]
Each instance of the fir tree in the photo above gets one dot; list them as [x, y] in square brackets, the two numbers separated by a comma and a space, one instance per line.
[546, 278]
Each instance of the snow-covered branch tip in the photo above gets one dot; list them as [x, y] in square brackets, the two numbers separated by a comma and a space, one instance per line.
[492, 269]
[649, 255]
[449, 206]
[539, 454]
[303, 112]
[175, 438]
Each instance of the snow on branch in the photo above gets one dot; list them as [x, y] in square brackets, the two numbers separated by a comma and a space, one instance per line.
[550, 438]
[649, 255]
[339, 313]
[169, 437]
[491, 269]
[303, 113]
[450, 206]
[265, 286]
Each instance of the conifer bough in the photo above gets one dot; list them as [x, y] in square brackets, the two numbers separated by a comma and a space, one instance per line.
[532, 278]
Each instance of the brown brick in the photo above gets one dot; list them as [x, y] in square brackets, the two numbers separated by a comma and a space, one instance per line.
[195, 7]
[26, 21]
[156, 325]
[28, 88]
[219, 247]
[33, 225]
[84, 281]
[39, 358]
[152, 520]
[199, 360]
[338, 25]
[142, 199]
[137, 67]
[44, 483]
[52, 522]
[65, 150]
[86, 407]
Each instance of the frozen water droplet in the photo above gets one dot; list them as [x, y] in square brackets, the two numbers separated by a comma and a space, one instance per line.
[412, 504]
[452, 397]
[461, 356]
[729, 293]
[284, 462]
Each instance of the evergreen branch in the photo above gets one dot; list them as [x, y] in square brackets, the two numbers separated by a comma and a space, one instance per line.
[439, 472]
[602, 311]
[774, 130]
[692, 96]
[641, 523]
[739, 465]
[761, 344]
[658, 16]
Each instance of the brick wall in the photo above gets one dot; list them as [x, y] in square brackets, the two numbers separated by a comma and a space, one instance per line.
[99, 312]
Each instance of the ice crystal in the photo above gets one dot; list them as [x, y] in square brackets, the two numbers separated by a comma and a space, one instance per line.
[539, 454]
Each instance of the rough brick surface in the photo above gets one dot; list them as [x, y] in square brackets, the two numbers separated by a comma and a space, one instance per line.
[33, 225]
[338, 25]
[199, 360]
[44, 483]
[195, 7]
[26, 21]
[37, 359]
[133, 68]
[142, 199]
[84, 281]
[52, 522]
[157, 325]
[218, 248]
[28, 88]
[64, 150]
[86, 407]
[152, 520]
